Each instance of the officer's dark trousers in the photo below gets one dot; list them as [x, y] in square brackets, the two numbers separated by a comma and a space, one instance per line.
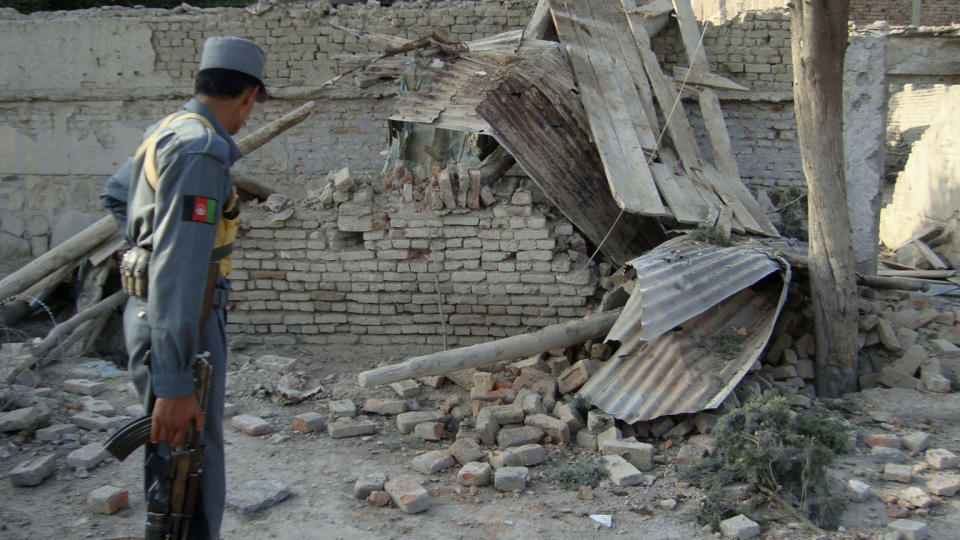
[207, 517]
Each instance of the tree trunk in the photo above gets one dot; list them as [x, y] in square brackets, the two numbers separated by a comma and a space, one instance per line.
[819, 41]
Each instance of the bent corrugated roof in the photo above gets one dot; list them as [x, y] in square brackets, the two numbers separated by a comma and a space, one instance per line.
[697, 319]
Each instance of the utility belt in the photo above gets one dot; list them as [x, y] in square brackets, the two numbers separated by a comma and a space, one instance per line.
[134, 278]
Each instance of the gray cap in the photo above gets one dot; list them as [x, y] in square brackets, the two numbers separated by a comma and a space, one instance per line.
[238, 54]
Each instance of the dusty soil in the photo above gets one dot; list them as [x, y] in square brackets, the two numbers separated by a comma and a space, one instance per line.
[321, 471]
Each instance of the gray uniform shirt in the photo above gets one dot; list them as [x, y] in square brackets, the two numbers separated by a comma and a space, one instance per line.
[177, 223]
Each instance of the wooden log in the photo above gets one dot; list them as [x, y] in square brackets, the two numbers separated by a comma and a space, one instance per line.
[687, 76]
[900, 283]
[270, 131]
[64, 329]
[495, 165]
[65, 253]
[481, 354]
[252, 187]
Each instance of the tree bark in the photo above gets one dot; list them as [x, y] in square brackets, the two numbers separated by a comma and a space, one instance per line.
[819, 42]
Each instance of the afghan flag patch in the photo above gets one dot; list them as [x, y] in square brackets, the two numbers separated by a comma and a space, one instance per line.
[199, 209]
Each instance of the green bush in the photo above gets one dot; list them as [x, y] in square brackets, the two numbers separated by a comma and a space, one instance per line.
[767, 444]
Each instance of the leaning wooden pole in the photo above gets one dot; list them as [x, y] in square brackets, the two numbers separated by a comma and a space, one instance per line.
[270, 131]
[482, 354]
[63, 254]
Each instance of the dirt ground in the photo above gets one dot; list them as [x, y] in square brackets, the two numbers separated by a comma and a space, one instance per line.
[321, 471]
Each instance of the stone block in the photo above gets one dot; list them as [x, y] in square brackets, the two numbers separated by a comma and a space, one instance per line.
[432, 461]
[888, 335]
[576, 375]
[87, 457]
[943, 485]
[661, 426]
[510, 478]
[680, 430]
[309, 422]
[910, 361]
[255, 495]
[342, 180]
[430, 431]
[587, 439]
[84, 387]
[384, 406]
[466, 450]
[612, 433]
[251, 425]
[893, 472]
[556, 429]
[858, 491]
[882, 439]
[909, 529]
[569, 414]
[885, 454]
[408, 420]
[53, 433]
[408, 495]
[917, 497]
[916, 442]
[598, 421]
[519, 436]
[475, 473]
[406, 389]
[96, 422]
[33, 471]
[690, 455]
[895, 379]
[941, 458]
[740, 527]
[342, 408]
[705, 422]
[620, 471]
[277, 364]
[638, 454]
[532, 403]
[98, 406]
[945, 349]
[350, 427]
[366, 485]
[107, 500]
[25, 418]
[527, 455]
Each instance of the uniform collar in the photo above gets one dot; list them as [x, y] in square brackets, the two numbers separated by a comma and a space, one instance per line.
[195, 106]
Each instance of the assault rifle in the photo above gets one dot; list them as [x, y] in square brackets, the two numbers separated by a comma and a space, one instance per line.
[172, 497]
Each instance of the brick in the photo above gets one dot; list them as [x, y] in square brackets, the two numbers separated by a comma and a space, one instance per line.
[430, 431]
[97, 422]
[858, 491]
[893, 472]
[366, 485]
[888, 335]
[466, 450]
[475, 473]
[569, 414]
[598, 421]
[910, 361]
[556, 429]
[576, 375]
[510, 478]
[896, 379]
[612, 433]
[932, 379]
[342, 408]
[408, 420]
[519, 436]
[882, 439]
[527, 455]
[943, 486]
[384, 406]
[406, 389]
[532, 403]
[84, 387]
[680, 430]
[25, 418]
[916, 442]
[408, 495]
[432, 461]
[107, 500]
[638, 454]
[740, 527]
[620, 471]
[941, 458]
[661, 426]
[690, 454]
[350, 427]
[33, 471]
[54, 432]
[251, 425]
[909, 529]
[309, 422]
[98, 406]
[945, 349]
[87, 457]
[705, 422]
[586, 439]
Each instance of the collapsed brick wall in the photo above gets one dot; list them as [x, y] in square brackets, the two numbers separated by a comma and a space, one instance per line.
[379, 272]
[932, 12]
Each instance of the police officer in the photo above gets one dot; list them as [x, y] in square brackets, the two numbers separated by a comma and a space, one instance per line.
[176, 205]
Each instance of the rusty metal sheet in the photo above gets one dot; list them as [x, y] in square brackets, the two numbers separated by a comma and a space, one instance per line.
[698, 362]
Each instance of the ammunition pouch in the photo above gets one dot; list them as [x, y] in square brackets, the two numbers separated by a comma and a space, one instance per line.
[133, 271]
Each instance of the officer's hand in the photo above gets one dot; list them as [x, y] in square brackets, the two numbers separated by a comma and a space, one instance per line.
[171, 419]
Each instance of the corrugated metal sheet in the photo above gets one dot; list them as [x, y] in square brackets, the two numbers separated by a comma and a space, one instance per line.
[697, 364]
[681, 279]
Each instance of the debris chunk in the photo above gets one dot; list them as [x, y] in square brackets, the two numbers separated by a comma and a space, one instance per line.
[256, 495]
[408, 495]
[251, 425]
[107, 500]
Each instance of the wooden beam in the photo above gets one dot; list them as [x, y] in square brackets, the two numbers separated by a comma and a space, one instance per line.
[482, 354]
[687, 76]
